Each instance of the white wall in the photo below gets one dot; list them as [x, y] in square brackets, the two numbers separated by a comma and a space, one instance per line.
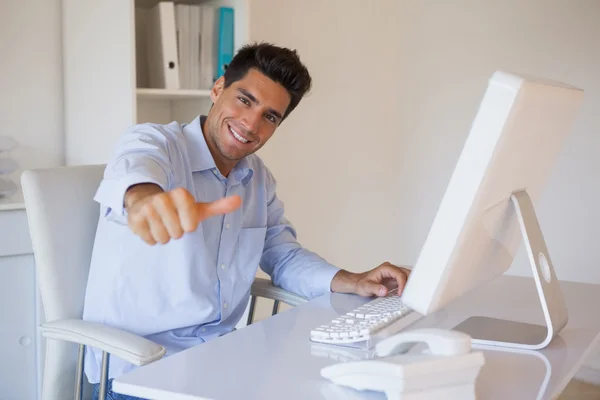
[363, 162]
[397, 84]
[31, 104]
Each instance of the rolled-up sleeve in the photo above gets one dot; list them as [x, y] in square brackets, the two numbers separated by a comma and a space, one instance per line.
[141, 156]
[291, 266]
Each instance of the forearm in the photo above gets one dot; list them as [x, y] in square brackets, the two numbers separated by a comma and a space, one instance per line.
[298, 270]
[141, 157]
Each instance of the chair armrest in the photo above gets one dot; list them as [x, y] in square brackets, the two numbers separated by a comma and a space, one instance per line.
[127, 346]
[265, 288]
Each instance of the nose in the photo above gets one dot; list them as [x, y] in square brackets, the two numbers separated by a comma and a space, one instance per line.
[251, 120]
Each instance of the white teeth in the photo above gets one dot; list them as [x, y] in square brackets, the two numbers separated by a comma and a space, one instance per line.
[237, 136]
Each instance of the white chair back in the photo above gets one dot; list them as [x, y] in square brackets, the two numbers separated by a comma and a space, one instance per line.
[63, 218]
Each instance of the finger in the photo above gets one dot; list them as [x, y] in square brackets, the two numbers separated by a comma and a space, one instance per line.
[386, 272]
[145, 233]
[157, 228]
[188, 216]
[219, 207]
[401, 279]
[400, 275]
[138, 225]
[167, 213]
[390, 283]
[187, 212]
[371, 288]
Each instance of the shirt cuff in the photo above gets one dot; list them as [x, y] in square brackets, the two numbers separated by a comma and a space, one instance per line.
[111, 192]
[323, 278]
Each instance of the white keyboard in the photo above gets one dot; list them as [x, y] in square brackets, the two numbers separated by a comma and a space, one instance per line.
[363, 322]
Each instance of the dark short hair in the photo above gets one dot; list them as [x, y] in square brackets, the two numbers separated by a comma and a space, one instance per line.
[280, 64]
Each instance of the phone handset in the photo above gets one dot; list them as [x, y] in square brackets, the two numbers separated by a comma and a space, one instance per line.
[441, 342]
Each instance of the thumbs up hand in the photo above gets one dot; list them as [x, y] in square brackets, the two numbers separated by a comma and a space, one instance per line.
[158, 217]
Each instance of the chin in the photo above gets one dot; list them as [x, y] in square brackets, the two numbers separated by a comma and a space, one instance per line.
[234, 150]
[227, 153]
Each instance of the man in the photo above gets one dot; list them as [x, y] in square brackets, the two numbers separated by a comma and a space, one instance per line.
[188, 213]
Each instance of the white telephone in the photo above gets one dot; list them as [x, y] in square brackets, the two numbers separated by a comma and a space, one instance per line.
[447, 370]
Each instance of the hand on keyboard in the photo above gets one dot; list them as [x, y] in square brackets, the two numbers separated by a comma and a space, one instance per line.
[376, 282]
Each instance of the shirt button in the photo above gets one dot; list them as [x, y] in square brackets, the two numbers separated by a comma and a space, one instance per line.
[227, 226]
[223, 267]
[225, 306]
[203, 329]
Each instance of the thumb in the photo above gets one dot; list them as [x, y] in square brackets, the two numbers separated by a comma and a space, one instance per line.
[218, 207]
[371, 288]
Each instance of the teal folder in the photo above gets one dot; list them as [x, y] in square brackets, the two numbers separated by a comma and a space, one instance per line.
[225, 46]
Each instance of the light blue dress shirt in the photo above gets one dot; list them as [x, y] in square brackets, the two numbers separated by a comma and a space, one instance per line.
[196, 288]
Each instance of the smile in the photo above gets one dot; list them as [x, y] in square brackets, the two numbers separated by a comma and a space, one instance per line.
[237, 136]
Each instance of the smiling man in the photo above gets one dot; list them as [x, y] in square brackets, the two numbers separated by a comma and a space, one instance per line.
[189, 212]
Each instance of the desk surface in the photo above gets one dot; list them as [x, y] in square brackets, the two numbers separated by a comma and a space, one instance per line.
[14, 202]
[275, 356]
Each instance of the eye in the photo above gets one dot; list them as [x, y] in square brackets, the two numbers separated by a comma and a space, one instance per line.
[244, 100]
[271, 118]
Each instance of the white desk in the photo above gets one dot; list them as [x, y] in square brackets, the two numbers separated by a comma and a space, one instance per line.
[274, 359]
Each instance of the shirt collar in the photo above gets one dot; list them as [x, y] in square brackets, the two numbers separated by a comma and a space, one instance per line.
[243, 171]
[200, 157]
[198, 152]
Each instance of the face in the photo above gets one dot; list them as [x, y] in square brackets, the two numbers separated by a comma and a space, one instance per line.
[243, 118]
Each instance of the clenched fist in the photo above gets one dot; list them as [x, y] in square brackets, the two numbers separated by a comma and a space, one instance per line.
[158, 216]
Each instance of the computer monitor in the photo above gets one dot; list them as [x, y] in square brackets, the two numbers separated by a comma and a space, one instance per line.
[487, 210]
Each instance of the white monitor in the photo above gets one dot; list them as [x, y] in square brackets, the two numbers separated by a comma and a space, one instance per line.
[515, 139]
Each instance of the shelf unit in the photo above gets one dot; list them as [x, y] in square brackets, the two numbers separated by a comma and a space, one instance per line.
[101, 54]
[168, 94]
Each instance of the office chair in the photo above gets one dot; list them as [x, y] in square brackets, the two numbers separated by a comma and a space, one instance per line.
[62, 218]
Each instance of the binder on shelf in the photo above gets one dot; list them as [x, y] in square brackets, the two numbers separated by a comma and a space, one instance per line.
[163, 61]
[188, 46]
[208, 46]
[195, 20]
[225, 40]
[184, 44]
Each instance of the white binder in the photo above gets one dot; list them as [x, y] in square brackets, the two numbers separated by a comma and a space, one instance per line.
[182, 20]
[208, 46]
[163, 62]
[195, 11]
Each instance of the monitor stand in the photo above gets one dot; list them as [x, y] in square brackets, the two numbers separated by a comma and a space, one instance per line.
[498, 332]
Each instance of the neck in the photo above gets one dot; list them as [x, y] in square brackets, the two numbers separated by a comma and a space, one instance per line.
[224, 166]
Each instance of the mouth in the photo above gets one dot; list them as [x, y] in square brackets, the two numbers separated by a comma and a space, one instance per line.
[238, 136]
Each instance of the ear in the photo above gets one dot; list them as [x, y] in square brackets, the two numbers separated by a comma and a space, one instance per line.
[217, 89]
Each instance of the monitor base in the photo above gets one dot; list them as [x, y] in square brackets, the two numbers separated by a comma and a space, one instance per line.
[498, 332]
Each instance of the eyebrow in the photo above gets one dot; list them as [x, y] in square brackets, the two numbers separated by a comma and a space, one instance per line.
[254, 100]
